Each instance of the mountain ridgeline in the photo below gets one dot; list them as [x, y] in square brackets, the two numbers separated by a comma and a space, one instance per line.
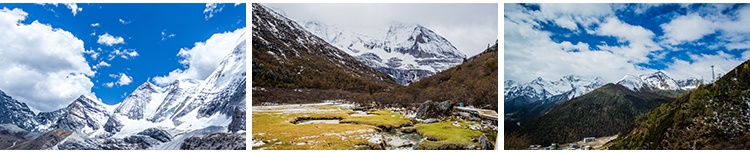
[713, 116]
[406, 52]
[149, 118]
[286, 55]
[602, 112]
[287, 58]
[472, 83]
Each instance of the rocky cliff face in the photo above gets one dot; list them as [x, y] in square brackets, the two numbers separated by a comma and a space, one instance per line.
[16, 113]
[216, 141]
[84, 115]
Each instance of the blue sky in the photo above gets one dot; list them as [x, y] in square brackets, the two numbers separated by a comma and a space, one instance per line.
[59, 52]
[613, 40]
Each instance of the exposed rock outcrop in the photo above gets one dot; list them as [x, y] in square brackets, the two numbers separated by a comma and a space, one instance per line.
[44, 141]
[486, 144]
[216, 141]
[113, 125]
[430, 109]
[157, 134]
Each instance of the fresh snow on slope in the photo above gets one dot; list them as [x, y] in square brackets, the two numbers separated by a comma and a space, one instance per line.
[657, 80]
[407, 52]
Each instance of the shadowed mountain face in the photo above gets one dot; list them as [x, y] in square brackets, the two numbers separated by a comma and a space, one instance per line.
[713, 116]
[285, 55]
[602, 112]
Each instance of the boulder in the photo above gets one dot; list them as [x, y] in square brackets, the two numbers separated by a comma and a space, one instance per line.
[486, 144]
[430, 109]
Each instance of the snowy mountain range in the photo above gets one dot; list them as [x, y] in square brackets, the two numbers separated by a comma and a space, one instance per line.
[407, 52]
[657, 81]
[518, 95]
[149, 118]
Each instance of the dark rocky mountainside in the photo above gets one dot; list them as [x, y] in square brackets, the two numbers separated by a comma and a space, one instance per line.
[16, 113]
[473, 83]
[216, 141]
[287, 56]
[602, 112]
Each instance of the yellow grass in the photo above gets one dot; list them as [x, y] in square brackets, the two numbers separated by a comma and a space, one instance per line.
[444, 135]
[385, 119]
[276, 129]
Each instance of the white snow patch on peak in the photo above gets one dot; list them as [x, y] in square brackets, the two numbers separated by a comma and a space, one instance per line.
[658, 80]
[631, 82]
[541, 88]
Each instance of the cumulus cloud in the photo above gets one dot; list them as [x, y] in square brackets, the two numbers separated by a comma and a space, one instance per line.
[211, 8]
[101, 64]
[122, 79]
[687, 28]
[109, 84]
[110, 40]
[530, 52]
[41, 66]
[201, 60]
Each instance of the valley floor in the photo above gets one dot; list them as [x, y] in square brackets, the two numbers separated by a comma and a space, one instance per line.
[338, 125]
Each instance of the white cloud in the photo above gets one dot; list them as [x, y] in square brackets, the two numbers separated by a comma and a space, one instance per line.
[122, 79]
[101, 64]
[701, 65]
[109, 84]
[211, 9]
[203, 58]
[41, 66]
[687, 28]
[110, 40]
[530, 53]
[125, 54]
[469, 26]
[165, 36]
[72, 6]
[95, 24]
[638, 37]
[124, 22]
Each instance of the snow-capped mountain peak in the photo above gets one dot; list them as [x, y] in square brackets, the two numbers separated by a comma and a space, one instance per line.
[658, 80]
[631, 82]
[542, 89]
[519, 95]
[407, 52]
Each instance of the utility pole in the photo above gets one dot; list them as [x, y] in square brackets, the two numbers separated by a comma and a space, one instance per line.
[713, 77]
